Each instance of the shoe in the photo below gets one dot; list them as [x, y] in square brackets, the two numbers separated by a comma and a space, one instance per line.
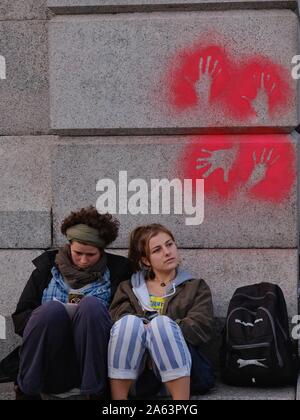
[20, 396]
[72, 394]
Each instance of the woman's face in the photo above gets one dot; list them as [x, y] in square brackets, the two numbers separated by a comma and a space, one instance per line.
[84, 256]
[164, 255]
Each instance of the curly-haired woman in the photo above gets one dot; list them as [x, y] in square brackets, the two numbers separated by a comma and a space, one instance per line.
[163, 316]
[62, 314]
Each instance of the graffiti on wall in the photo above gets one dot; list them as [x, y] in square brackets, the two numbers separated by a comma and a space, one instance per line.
[246, 90]
[261, 167]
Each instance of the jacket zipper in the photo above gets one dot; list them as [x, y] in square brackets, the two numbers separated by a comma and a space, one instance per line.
[167, 301]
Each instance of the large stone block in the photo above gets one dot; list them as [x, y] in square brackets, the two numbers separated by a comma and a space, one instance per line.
[23, 9]
[250, 187]
[173, 73]
[25, 229]
[12, 340]
[25, 185]
[16, 269]
[113, 6]
[24, 105]
[228, 269]
[15, 272]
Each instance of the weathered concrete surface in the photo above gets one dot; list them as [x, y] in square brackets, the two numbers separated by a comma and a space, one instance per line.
[16, 269]
[107, 6]
[7, 391]
[25, 186]
[230, 393]
[23, 9]
[14, 274]
[25, 229]
[24, 105]
[112, 74]
[239, 221]
[227, 269]
[12, 340]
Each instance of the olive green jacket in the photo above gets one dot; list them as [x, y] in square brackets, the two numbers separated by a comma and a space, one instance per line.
[190, 306]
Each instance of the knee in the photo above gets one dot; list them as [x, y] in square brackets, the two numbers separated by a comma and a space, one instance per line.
[91, 306]
[50, 313]
[162, 326]
[161, 321]
[128, 323]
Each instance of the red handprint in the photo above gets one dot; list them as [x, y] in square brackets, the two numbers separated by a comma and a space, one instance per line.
[208, 76]
[209, 70]
[199, 78]
[258, 91]
[257, 166]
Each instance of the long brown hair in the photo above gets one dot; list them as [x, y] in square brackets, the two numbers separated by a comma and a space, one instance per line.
[139, 245]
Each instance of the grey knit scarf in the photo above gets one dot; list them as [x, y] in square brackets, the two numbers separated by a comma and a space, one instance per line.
[75, 277]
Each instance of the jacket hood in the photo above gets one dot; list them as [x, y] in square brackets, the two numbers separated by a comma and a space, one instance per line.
[140, 290]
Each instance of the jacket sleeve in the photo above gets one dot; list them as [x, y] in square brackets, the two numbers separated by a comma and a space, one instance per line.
[121, 304]
[197, 326]
[30, 300]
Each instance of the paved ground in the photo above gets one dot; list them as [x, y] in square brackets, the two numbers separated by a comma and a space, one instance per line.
[222, 392]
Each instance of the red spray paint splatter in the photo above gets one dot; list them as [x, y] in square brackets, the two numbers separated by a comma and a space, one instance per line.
[191, 67]
[264, 167]
[259, 79]
[205, 75]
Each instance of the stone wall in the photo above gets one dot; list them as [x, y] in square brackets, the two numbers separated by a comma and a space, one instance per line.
[158, 89]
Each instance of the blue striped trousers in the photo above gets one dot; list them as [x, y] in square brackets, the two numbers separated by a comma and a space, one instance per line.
[130, 340]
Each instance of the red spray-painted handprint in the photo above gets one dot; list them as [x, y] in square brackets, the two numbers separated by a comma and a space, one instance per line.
[269, 167]
[218, 159]
[212, 158]
[263, 167]
[258, 90]
[198, 77]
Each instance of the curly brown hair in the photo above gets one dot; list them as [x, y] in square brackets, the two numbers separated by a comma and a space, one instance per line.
[139, 244]
[106, 224]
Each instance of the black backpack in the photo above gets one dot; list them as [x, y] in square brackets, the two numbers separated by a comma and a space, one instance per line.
[257, 349]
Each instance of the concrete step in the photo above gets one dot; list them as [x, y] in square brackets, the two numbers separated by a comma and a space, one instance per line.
[225, 392]
[221, 392]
